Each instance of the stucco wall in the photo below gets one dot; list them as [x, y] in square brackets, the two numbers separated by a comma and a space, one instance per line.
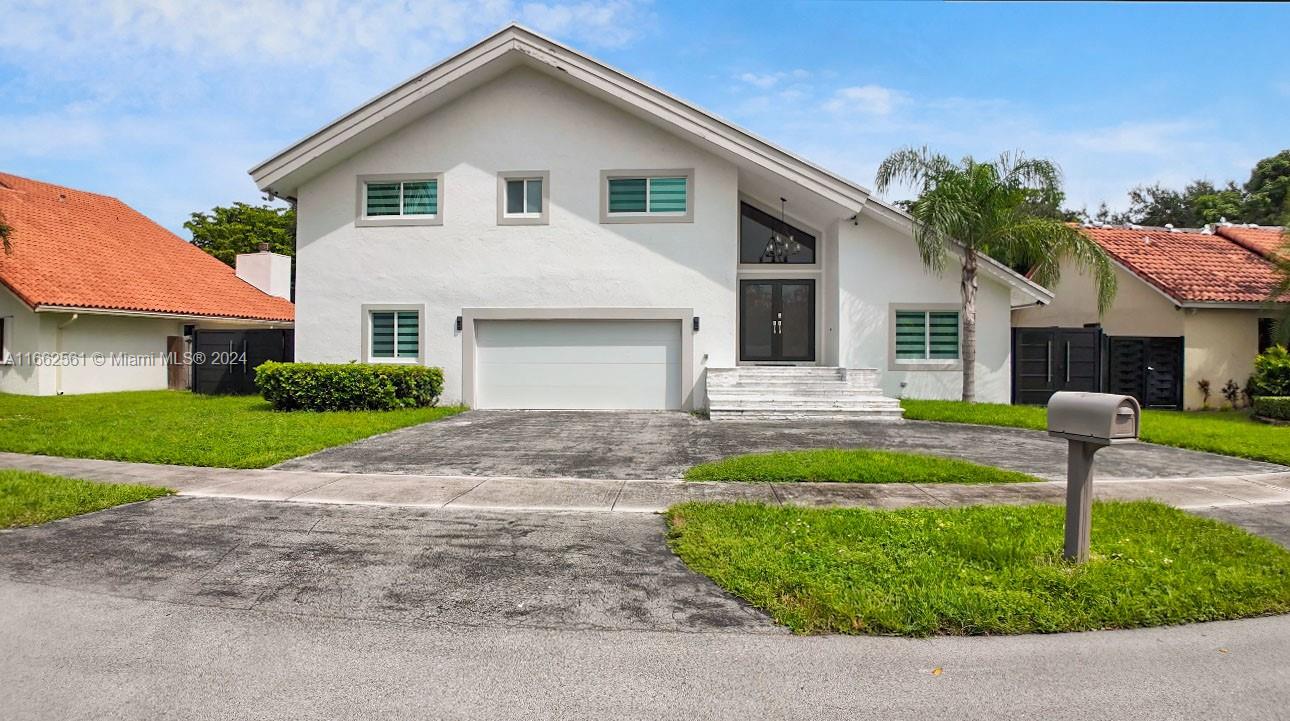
[1219, 345]
[24, 332]
[879, 267]
[521, 121]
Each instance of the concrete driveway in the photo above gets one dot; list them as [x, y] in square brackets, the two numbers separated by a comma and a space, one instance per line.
[644, 445]
[212, 609]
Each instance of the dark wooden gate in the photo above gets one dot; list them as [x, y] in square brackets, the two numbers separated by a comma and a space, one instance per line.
[1147, 368]
[224, 361]
[1047, 360]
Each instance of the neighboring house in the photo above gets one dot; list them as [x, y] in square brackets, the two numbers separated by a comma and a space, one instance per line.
[556, 234]
[1192, 305]
[96, 295]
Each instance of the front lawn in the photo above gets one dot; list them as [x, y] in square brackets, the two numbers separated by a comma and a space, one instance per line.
[28, 498]
[185, 428]
[850, 466]
[1229, 432]
[979, 569]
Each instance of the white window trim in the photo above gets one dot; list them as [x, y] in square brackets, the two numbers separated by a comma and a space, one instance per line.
[370, 308]
[505, 218]
[923, 364]
[647, 217]
[364, 220]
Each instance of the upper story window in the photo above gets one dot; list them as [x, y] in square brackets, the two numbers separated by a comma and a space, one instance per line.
[647, 196]
[522, 197]
[400, 199]
[755, 230]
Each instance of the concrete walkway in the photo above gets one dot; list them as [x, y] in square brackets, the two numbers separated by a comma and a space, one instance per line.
[632, 496]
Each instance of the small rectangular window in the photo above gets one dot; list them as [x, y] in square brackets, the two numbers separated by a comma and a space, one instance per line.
[407, 198]
[396, 334]
[524, 196]
[927, 335]
[627, 195]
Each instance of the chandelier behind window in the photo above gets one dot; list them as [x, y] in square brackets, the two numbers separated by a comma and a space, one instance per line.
[780, 246]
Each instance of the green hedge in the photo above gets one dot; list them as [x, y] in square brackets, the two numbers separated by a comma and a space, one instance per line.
[1271, 373]
[1277, 407]
[347, 386]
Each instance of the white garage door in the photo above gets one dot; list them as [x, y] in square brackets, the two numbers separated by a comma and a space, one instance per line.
[600, 364]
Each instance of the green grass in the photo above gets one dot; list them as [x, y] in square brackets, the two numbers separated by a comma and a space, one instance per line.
[850, 466]
[185, 428]
[979, 569]
[29, 498]
[1229, 432]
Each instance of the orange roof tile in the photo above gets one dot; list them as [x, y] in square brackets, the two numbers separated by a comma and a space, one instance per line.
[1189, 266]
[1266, 240]
[85, 250]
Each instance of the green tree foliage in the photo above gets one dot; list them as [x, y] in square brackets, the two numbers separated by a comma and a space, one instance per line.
[1267, 192]
[226, 231]
[1264, 199]
[6, 231]
[972, 208]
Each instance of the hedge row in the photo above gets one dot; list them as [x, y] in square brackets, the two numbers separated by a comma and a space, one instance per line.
[1277, 407]
[347, 386]
[1271, 373]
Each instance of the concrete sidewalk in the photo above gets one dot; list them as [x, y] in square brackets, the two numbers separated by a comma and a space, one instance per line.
[629, 496]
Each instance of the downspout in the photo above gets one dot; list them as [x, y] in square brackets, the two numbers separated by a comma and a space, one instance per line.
[58, 352]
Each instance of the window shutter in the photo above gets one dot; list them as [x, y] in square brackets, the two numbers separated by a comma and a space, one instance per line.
[382, 199]
[409, 334]
[627, 195]
[421, 197]
[943, 332]
[383, 335]
[911, 335]
[667, 195]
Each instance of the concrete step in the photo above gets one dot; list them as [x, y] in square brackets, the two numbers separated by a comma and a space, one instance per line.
[821, 414]
[820, 391]
[793, 406]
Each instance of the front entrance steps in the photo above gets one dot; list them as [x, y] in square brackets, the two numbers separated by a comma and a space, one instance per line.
[778, 393]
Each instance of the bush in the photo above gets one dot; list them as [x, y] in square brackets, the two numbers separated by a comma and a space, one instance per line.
[1272, 372]
[1277, 407]
[347, 386]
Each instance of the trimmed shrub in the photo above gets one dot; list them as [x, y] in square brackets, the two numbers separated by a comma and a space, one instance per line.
[1272, 372]
[347, 386]
[1275, 407]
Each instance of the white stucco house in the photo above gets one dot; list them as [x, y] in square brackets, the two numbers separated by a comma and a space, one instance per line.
[96, 297]
[554, 233]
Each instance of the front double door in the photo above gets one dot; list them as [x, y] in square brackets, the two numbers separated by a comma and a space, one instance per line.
[777, 320]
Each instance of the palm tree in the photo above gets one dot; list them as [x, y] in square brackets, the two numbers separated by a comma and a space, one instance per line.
[972, 209]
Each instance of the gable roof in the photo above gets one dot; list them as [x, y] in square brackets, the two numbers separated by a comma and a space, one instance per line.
[1189, 267]
[1266, 240]
[75, 249]
[282, 174]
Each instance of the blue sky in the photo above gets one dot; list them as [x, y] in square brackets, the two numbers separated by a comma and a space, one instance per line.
[167, 103]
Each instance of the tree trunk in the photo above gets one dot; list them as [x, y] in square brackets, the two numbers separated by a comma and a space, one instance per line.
[968, 287]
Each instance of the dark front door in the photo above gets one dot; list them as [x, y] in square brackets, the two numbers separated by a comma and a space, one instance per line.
[776, 320]
[1147, 368]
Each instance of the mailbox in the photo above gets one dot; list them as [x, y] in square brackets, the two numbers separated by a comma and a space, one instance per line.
[1099, 418]
[1088, 422]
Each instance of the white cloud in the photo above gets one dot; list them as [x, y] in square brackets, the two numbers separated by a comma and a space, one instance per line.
[766, 81]
[1135, 138]
[868, 99]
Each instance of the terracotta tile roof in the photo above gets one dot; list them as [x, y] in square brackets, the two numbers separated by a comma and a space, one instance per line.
[1266, 240]
[84, 250]
[1190, 266]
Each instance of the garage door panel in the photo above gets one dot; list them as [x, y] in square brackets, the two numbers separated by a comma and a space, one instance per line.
[578, 364]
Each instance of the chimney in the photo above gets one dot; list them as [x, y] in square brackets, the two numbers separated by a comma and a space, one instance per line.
[270, 272]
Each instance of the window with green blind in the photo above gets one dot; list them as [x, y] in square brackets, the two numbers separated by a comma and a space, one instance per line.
[649, 195]
[401, 198]
[396, 334]
[927, 335]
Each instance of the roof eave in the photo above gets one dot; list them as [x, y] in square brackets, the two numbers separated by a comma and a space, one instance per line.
[94, 310]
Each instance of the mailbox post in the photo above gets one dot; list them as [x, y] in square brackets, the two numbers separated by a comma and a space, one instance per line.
[1088, 422]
